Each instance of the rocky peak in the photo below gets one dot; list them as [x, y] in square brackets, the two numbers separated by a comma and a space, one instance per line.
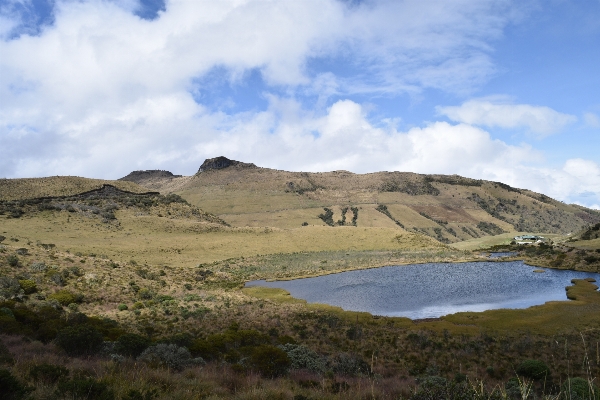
[221, 163]
[136, 176]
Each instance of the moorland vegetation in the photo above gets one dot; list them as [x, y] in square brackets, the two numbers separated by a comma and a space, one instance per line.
[129, 291]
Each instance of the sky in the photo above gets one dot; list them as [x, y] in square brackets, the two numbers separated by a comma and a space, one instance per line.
[501, 90]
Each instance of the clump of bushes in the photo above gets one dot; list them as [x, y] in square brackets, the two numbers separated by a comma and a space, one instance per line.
[37, 267]
[10, 387]
[79, 340]
[47, 373]
[327, 216]
[132, 345]
[269, 361]
[10, 287]
[169, 356]
[84, 388]
[64, 297]
[28, 286]
[350, 364]
[12, 260]
[533, 369]
[301, 357]
[579, 388]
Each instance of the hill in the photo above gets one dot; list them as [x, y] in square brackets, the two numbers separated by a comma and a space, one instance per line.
[56, 186]
[111, 270]
[449, 208]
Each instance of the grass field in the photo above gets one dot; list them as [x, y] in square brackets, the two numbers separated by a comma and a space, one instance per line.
[149, 238]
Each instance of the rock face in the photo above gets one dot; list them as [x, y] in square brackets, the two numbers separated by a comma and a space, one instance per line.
[221, 163]
[137, 176]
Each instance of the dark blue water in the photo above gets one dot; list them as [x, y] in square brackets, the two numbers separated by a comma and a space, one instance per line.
[433, 290]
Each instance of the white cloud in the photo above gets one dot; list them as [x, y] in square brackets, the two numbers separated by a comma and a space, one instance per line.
[495, 113]
[102, 92]
[591, 119]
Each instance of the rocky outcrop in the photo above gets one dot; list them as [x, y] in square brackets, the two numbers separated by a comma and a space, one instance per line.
[137, 176]
[221, 163]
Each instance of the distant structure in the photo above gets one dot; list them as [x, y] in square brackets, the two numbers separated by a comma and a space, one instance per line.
[529, 239]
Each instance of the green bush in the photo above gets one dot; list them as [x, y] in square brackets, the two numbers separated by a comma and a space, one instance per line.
[10, 387]
[138, 305]
[269, 361]
[80, 340]
[12, 260]
[169, 356]
[301, 357]
[28, 286]
[132, 345]
[122, 307]
[349, 364]
[145, 294]
[85, 388]
[533, 369]
[9, 287]
[580, 389]
[37, 267]
[48, 373]
[64, 297]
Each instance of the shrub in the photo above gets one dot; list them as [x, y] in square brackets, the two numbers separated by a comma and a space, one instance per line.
[183, 339]
[169, 356]
[48, 373]
[64, 297]
[145, 294]
[533, 369]
[269, 361]
[122, 307]
[579, 388]
[56, 277]
[10, 387]
[12, 260]
[435, 387]
[349, 364]
[85, 388]
[28, 286]
[80, 340]
[37, 267]
[132, 345]
[9, 287]
[301, 357]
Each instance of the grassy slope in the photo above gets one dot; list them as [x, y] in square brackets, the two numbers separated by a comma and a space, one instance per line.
[27, 188]
[453, 206]
[153, 239]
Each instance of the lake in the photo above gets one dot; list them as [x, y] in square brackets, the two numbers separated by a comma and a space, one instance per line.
[434, 289]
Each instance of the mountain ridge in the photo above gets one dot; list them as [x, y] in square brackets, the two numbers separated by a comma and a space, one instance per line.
[449, 208]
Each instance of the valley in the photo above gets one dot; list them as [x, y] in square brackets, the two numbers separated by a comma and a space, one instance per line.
[161, 259]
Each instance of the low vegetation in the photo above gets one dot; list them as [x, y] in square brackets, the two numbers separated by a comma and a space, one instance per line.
[135, 295]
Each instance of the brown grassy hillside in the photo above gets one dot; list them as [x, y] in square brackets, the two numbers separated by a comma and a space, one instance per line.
[55, 186]
[448, 208]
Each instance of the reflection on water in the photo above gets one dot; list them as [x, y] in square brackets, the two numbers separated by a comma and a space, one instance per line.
[435, 289]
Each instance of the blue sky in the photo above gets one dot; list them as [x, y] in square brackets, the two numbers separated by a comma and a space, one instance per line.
[501, 90]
